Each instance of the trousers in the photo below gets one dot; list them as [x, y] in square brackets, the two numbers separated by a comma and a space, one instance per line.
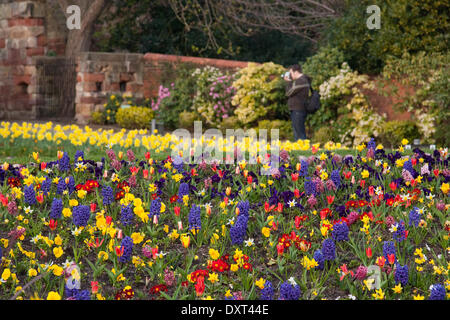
[298, 118]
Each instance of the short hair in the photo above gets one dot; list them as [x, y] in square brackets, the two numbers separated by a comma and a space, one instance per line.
[296, 67]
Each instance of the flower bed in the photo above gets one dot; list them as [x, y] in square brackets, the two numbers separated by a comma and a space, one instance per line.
[371, 226]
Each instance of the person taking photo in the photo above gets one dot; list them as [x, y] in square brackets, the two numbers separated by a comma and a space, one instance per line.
[297, 91]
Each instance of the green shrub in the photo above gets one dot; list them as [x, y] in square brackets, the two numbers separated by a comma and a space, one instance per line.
[186, 119]
[135, 117]
[394, 131]
[260, 93]
[181, 96]
[284, 127]
[323, 135]
[230, 123]
[325, 64]
[97, 117]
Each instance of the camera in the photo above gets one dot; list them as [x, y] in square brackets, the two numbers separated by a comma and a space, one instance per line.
[286, 74]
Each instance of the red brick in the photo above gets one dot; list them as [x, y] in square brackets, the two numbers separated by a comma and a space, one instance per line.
[112, 87]
[2, 43]
[90, 100]
[94, 77]
[39, 51]
[89, 87]
[126, 77]
[28, 22]
[22, 79]
[42, 40]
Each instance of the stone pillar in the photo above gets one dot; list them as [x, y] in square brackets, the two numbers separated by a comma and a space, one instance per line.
[21, 28]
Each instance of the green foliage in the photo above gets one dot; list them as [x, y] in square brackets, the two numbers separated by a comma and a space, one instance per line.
[186, 119]
[394, 131]
[151, 26]
[97, 117]
[429, 73]
[323, 65]
[180, 99]
[260, 93]
[323, 135]
[134, 117]
[406, 26]
[284, 127]
[214, 91]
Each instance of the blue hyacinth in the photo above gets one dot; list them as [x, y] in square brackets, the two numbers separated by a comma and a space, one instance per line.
[155, 207]
[238, 230]
[178, 164]
[183, 190]
[437, 292]
[401, 274]
[336, 178]
[127, 245]
[328, 249]
[414, 217]
[389, 248]
[303, 168]
[400, 233]
[56, 209]
[46, 185]
[108, 195]
[81, 215]
[29, 194]
[267, 292]
[64, 162]
[194, 219]
[310, 187]
[289, 292]
[126, 215]
[340, 232]
[371, 144]
[318, 256]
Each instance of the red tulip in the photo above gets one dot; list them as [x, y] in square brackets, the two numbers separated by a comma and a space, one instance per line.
[200, 286]
[296, 193]
[436, 172]
[145, 173]
[94, 287]
[280, 249]
[393, 186]
[93, 206]
[147, 155]
[40, 197]
[280, 207]
[108, 220]
[347, 174]
[52, 224]
[249, 179]
[330, 199]
[43, 166]
[369, 252]
[381, 261]
[294, 176]
[413, 161]
[119, 251]
[362, 183]
[391, 258]
[371, 191]
[177, 210]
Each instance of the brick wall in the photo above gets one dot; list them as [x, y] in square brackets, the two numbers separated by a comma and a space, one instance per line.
[22, 37]
[103, 74]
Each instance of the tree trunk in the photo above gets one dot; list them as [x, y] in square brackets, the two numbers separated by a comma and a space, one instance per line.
[80, 40]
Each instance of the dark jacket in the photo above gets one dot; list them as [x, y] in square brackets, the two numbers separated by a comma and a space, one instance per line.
[297, 92]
